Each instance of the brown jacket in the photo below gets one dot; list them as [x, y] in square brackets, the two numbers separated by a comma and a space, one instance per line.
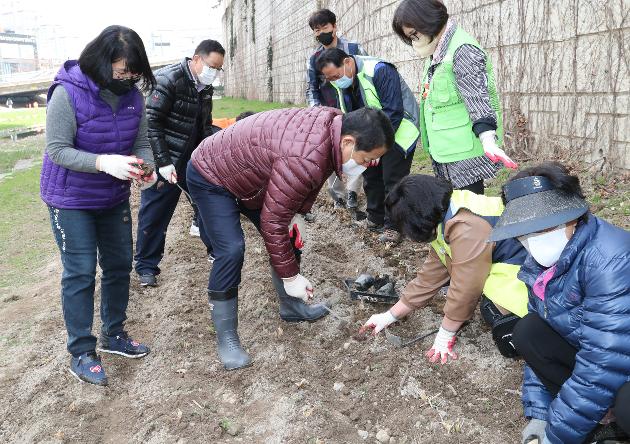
[467, 270]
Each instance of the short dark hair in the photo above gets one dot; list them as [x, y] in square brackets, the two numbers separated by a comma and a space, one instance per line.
[370, 127]
[112, 44]
[557, 173]
[208, 46]
[321, 18]
[417, 205]
[427, 17]
[244, 114]
[335, 56]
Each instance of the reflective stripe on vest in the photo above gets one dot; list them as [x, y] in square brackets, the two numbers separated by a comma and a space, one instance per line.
[502, 286]
[445, 125]
[408, 131]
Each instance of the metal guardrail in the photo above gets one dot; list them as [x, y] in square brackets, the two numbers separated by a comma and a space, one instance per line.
[15, 133]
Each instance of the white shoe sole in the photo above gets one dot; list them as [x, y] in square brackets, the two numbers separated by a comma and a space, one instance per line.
[113, 352]
[82, 381]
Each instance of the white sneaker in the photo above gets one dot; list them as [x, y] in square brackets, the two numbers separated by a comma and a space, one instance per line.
[194, 230]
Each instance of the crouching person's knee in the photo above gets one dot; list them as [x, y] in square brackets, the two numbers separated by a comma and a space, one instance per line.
[525, 332]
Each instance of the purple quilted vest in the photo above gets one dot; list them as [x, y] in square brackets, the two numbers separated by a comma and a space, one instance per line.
[100, 131]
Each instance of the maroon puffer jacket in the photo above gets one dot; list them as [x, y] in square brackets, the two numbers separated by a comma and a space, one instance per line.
[276, 161]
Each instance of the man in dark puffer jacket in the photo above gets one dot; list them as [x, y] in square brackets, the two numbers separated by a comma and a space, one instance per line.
[179, 111]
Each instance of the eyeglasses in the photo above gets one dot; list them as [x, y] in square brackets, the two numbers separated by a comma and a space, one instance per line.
[220, 69]
[414, 36]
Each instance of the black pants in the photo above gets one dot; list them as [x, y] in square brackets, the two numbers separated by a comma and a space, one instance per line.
[552, 358]
[379, 180]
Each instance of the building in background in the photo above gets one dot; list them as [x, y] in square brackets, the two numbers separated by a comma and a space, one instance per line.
[562, 66]
[18, 53]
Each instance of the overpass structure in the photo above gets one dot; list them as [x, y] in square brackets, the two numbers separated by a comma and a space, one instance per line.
[28, 85]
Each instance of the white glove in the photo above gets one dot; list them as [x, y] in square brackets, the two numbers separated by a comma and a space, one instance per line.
[298, 287]
[535, 429]
[493, 152]
[379, 321]
[118, 166]
[297, 230]
[168, 172]
[443, 346]
[147, 183]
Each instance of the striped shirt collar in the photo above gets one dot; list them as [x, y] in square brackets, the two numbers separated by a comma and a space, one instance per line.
[442, 46]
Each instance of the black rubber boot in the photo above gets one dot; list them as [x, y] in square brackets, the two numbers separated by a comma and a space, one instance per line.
[294, 309]
[224, 312]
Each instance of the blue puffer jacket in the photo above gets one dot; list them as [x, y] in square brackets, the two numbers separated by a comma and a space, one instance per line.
[588, 303]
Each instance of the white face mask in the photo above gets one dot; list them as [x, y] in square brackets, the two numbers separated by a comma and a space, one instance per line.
[424, 46]
[547, 247]
[352, 168]
[207, 75]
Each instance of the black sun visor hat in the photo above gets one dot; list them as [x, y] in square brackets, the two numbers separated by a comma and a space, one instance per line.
[534, 204]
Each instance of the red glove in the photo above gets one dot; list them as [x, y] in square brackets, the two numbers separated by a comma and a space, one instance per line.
[296, 228]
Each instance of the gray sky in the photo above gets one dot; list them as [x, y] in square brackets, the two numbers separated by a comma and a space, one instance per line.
[63, 27]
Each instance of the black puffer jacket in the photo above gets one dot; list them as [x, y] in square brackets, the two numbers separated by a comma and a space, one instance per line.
[179, 116]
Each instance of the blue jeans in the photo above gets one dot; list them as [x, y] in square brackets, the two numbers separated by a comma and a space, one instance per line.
[157, 205]
[83, 236]
[220, 214]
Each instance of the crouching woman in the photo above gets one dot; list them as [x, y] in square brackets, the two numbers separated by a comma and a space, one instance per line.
[576, 337]
[458, 224]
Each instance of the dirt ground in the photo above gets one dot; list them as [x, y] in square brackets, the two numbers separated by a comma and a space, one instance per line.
[309, 383]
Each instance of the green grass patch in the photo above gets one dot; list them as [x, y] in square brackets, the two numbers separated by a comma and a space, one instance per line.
[22, 118]
[26, 240]
[27, 148]
[229, 107]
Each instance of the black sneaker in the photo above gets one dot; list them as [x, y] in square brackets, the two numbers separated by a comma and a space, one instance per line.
[352, 200]
[376, 228]
[123, 345]
[148, 280]
[390, 236]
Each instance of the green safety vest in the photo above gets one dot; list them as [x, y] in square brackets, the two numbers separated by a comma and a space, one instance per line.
[445, 125]
[502, 286]
[408, 131]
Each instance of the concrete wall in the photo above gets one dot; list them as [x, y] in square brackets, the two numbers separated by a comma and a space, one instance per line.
[563, 66]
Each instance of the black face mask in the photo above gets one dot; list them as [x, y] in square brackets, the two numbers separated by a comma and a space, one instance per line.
[121, 87]
[325, 38]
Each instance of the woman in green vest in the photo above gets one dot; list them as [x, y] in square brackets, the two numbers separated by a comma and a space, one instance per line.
[458, 224]
[460, 112]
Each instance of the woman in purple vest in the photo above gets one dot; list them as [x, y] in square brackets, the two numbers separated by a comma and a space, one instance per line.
[96, 139]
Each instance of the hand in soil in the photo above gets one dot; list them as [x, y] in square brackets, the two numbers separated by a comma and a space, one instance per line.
[378, 322]
[442, 347]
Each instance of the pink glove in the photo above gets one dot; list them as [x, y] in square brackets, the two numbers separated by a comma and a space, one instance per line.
[492, 150]
[146, 182]
[443, 347]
